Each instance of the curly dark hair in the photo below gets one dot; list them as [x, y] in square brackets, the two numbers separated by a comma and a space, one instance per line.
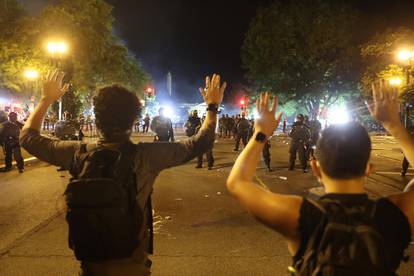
[116, 109]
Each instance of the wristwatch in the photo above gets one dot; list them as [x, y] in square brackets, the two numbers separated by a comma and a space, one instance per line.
[213, 107]
[260, 137]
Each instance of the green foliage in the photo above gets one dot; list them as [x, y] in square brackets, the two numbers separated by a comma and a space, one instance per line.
[95, 56]
[303, 52]
[379, 56]
[72, 103]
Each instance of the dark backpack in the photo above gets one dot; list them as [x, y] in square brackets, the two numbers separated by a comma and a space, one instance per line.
[102, 212]
[346, 242]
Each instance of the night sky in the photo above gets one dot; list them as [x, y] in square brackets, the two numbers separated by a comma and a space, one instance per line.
[193, 38]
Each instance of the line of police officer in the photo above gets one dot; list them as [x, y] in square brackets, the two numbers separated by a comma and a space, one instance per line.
[9, 140]
[304, 136]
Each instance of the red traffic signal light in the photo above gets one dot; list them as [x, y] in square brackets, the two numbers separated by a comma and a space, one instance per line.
[150, 91]
[242, 102]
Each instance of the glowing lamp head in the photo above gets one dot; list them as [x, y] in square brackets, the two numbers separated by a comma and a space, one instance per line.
[31, 74]
[404, 55]
[395, 81]
[51, 47]
[61, 47]
[242, 102]
[149, 90]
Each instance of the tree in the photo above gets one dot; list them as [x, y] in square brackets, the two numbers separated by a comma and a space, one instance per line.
[379, 56]
[303, 50]
[95, 58]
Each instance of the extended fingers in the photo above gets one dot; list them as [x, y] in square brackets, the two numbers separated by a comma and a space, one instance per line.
[202, 92]
[274, 105]
[223, 87]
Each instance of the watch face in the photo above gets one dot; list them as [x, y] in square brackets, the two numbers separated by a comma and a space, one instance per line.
[260, 137]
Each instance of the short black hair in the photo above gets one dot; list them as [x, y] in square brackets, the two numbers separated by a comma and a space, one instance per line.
[116, 109]
[343, 151]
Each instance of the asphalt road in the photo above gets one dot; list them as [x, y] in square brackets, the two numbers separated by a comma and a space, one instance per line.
[200, 229]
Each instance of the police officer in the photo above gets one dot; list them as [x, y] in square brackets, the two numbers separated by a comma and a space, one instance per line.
[146, 124]
[192, 126]
[10, 132]
[405, 164]
[315, 130]
[300, 136]
[242, 129]
[162, 126]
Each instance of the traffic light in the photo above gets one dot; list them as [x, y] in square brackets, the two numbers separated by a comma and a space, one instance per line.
[242, 102]
[150, 92]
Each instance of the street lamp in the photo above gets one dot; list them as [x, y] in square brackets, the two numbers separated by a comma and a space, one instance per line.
[395, 81]
[31, 75]
[57, 49]
[406, 57]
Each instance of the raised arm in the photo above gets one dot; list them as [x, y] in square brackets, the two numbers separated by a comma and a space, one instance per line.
[165, 155]
[385, 108]
[56, 152]
[280, 212]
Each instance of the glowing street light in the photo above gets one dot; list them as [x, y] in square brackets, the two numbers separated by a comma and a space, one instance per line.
[404, 55]
[395, 81]
[31, 74]
[57, 47]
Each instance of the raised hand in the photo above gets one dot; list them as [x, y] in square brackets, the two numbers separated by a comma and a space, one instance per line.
[267, 123]
[385, 106]
[213, 93]
[53, 87]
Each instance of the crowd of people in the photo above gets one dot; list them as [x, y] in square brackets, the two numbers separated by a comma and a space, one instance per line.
[341, 233]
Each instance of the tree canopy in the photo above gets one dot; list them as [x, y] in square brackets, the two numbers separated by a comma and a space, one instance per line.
[303, 52]
[95, 56]
[379, 56]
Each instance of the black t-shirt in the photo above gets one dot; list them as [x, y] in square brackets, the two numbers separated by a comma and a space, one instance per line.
[390, 221]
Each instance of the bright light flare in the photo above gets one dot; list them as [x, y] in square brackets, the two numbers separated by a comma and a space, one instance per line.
[338, 115]
[51, 47]
[404, 55]
[256, 115]
[395, 81]
[242, 102]
[61, 47]
[54, 47]
[31, 74]
[168, 111]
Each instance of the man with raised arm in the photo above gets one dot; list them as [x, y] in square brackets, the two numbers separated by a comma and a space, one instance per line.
[147, 161]
[343, 232]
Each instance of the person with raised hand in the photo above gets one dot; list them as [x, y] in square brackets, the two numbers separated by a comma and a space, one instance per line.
[385, 108]
[112, 179]
[343, 232]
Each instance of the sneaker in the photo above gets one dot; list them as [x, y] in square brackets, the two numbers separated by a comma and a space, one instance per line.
[402, 173]
[21, 170]
[198, 167]
[305, 171]
[269, 170]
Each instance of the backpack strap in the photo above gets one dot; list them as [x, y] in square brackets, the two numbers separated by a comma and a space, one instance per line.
[317, 205]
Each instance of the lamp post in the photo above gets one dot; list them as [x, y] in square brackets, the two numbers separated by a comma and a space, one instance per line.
[406, 58]
[31, 75]
[57, 50]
